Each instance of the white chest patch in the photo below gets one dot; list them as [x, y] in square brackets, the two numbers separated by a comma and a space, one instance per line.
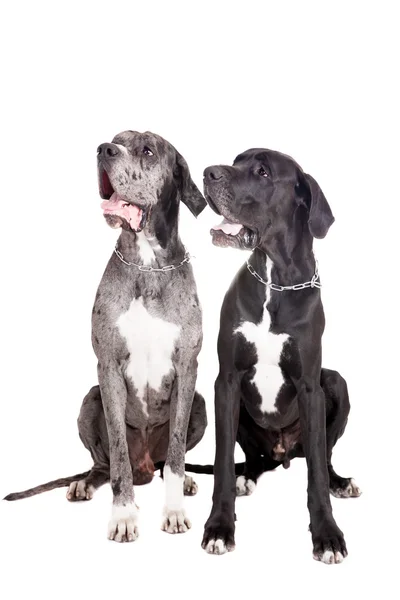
[150, 342]
[268, 376]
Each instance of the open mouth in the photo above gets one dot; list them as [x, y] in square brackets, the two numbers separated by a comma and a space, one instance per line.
[115, 208]
[227, 233]
[237, 235]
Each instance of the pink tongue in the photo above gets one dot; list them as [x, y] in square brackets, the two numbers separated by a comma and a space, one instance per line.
[228, 228]
[116, 206]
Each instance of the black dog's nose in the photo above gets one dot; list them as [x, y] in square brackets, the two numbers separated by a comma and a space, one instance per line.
[108, 150]
[214, 173]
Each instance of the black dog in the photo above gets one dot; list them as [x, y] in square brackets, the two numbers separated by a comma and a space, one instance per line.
[271, 394]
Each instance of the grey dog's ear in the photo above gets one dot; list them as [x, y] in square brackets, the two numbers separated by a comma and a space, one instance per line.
[320, 215]
[190, 194]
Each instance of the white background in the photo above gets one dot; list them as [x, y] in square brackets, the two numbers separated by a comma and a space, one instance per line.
[315, 80]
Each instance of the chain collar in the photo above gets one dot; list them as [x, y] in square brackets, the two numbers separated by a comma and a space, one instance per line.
[314, 283]
[148, 269]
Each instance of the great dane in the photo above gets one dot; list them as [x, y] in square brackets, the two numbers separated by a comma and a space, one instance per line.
[146, 333]
[271, 394]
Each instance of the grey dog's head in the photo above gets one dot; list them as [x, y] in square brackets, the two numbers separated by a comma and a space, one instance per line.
[263, 197]
[142, 178]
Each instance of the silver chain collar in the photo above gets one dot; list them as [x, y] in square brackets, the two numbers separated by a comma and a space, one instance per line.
[148, 269]
[314, 283]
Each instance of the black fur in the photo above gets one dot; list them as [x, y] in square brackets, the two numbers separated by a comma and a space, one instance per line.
[281, 209]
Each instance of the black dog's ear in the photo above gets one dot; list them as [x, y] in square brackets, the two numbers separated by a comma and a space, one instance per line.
[320, 214]
[190, 194]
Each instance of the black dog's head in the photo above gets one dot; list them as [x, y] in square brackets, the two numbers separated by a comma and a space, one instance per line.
[141, 179]
[263, 196]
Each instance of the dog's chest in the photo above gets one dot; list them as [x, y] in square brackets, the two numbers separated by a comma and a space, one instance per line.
[268, 377]
[150, 341]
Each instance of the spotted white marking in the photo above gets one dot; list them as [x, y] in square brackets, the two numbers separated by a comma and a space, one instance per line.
[123, 523]
[150, 341]
[268, 376]
[244, 487]
[145, 248]
[216, 547]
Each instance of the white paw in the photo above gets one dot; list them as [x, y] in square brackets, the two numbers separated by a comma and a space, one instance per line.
[244, 487]
[351, 491]
[79, 490]
[217, 547]
[189, 486]
[329, 557]
[175, 521]
[123, 523]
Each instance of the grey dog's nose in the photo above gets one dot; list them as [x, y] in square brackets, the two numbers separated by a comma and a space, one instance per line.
[213, 173]
[108, 150]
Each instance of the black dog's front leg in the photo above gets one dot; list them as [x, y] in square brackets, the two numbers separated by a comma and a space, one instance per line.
[328, 541]
[219, 531]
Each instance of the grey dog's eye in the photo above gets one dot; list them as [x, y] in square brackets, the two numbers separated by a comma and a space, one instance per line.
[262, 172]
[147, 151]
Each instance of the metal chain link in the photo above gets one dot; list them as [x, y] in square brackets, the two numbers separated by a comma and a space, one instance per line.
[148, 269]
[314, 283]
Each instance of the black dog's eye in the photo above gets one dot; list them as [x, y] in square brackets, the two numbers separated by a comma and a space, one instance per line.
[262, 172]
[147, 151]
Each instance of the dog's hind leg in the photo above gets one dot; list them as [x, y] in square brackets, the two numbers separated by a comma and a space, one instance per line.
[251, 439]
[83, 489]
[196, 428]
[93, 433]
[337, 411]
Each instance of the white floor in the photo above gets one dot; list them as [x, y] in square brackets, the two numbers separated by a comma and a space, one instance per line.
[54, 549]
[314, 80]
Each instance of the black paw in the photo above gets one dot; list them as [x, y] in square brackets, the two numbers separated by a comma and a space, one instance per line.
[219, 536]
[329, 544]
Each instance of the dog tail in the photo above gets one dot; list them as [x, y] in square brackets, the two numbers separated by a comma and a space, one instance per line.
[209, 469]
[46, 487]
[65, 481]
[202, 469]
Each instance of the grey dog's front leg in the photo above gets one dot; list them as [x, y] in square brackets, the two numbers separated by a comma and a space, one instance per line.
[174, 517]
[122, 526]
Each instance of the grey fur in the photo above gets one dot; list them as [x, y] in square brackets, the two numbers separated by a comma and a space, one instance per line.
[170, 296]
[113, 414]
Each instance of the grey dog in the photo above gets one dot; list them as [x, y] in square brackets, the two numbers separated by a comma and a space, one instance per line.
[146, 333]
